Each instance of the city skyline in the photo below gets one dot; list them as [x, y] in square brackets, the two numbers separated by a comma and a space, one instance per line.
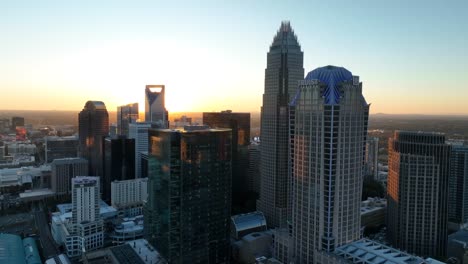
[67, 52]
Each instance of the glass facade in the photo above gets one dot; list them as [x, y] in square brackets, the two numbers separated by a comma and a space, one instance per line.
[458, 185]
[126, 114]
[187, 214]
[240, 125]
[418, 169]
[284, 70]
[93, 126]
[119, 163]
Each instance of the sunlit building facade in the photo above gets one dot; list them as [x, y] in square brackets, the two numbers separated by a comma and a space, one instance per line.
[329, 118]
[187, 215]
[284, 69]
[93, 126]
[126, 114]
[418, 170]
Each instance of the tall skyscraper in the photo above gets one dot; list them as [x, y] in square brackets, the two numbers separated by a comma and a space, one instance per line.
[119, 163]
[93, 123]
[284, 70]
[187, 215]
[63, 170]
[139, 132]
[240, 125]
[458, 187]
[418, 169]
[372, 158]
[126, 114]
[155, 109]
[329, 118]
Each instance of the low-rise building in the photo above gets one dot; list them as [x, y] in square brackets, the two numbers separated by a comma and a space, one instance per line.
[244, 224]
[373, 212]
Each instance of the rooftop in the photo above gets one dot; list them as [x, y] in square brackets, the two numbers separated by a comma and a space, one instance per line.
[366, 251]
[137, 252]
[249, 220]
[332, 76]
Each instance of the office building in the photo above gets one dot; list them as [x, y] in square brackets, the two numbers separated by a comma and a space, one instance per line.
[16, 121]
[182, 121]
[372, 158]
[61, 147]
[284, 69]
[5, 126]
[63, 170]
[93, 126]
[139, 132]
[119, 163]
[129, 193]
[187, 215]
[155, 109]
[253, 174]
[458, 188]
[86, 219]
[239, 123]
[126, 114]
[329, 118]
[417, 188]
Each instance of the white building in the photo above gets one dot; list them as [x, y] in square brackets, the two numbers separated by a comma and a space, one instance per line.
[83, 231]
[328, 134]
[129, 193]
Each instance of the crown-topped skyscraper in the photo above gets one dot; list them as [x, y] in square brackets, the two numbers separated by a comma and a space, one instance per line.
[284, 70]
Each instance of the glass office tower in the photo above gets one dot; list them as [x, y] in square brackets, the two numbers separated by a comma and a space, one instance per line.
[93, 122]
[187, 215]
[418, 170]
[284, 70]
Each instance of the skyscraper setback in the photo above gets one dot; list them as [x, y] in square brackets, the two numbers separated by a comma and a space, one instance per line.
[418, 169]
[93, 123]
[284, 70]
[329, 118]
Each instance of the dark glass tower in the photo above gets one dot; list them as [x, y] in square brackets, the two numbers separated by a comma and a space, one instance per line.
[284, 70]
[418, 170]
[187, 215]
[119, 162]
[93, 122]
[240, 125]
[458, 187]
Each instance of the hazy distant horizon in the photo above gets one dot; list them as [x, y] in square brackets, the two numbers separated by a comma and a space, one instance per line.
[252, 112]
